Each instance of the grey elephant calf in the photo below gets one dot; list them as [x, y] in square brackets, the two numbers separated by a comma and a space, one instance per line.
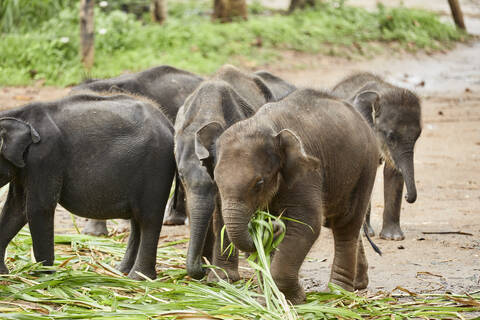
[168, 87]
[100, 157]
[215, 105]
[312, 157]
[396, 121]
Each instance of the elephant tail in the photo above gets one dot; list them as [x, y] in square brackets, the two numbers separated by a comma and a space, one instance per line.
[374, 246]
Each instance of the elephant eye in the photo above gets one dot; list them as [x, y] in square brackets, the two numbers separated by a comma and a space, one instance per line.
[259, 183]
[390, 136]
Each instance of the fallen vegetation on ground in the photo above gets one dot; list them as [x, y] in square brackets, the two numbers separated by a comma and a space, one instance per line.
[85, 285]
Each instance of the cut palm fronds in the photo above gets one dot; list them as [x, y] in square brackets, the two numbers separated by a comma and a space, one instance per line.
[85, 285]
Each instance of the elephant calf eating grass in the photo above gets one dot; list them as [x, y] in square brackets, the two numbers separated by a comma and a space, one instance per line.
[312, 157]
[99, 156]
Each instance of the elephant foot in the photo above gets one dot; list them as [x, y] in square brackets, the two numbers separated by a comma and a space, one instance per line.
[122, 226]
[368, 228]
[342, 283]
[392, 232]
[123, 268]
[174, 219]
[361, 283]
[95, 228]
[292, 290]
[152, 274]
[172, 216]
[295, 295]
[3, 268]
[227, 275]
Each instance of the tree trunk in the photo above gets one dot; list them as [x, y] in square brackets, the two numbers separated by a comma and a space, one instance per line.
[87, 35]
[301, 4]
[226, 10]
[158, 10]
[457, 13]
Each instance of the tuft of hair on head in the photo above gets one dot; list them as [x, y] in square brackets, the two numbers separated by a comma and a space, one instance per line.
[402, 97]
[87, 77]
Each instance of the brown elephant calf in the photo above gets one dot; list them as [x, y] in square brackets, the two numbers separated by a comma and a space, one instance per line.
[314, 157]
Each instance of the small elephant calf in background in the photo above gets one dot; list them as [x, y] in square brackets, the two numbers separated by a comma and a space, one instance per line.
[312, 157]
[394, 115]
[99, 156]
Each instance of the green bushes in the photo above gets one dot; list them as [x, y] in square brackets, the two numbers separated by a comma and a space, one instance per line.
[25, 15]
[48, 49]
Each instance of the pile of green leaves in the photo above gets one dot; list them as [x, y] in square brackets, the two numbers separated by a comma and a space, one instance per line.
[85, 285]
[33, 49]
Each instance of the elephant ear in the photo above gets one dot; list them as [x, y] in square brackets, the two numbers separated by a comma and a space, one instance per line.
[279, 87]
[116, 89]
[367, 102]
[16, 136]
[267, 93]
[296, 163]
[205, 139]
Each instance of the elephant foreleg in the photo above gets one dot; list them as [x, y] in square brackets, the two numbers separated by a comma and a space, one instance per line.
[393, 188]
[291, 253]
[40, 222]
[12, 220]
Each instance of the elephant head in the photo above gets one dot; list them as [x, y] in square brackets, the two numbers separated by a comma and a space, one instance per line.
[16, 136]
[396, 118]
[251, 165]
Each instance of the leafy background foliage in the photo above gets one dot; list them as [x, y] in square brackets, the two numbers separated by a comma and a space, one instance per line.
[45, 46]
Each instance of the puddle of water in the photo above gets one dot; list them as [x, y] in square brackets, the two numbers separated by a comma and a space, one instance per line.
[455, 71]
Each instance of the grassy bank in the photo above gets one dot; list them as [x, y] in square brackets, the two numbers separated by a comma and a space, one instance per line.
[190, 40]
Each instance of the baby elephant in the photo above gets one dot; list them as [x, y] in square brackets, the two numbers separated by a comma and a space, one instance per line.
[311, 157]
[100, 157]
[396, 121]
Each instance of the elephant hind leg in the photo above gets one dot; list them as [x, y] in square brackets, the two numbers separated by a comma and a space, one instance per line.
[147, 252]
[349, 268]
[361, 274]
[132, 248]
[345, 259]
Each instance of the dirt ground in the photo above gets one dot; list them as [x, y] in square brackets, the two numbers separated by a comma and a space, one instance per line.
[447, 167]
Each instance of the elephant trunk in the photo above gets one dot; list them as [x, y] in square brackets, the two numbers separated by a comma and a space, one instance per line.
[200, 215]
[405, 165]
[236, 220]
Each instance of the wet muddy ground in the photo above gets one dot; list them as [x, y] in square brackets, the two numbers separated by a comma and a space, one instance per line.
[447, 165]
